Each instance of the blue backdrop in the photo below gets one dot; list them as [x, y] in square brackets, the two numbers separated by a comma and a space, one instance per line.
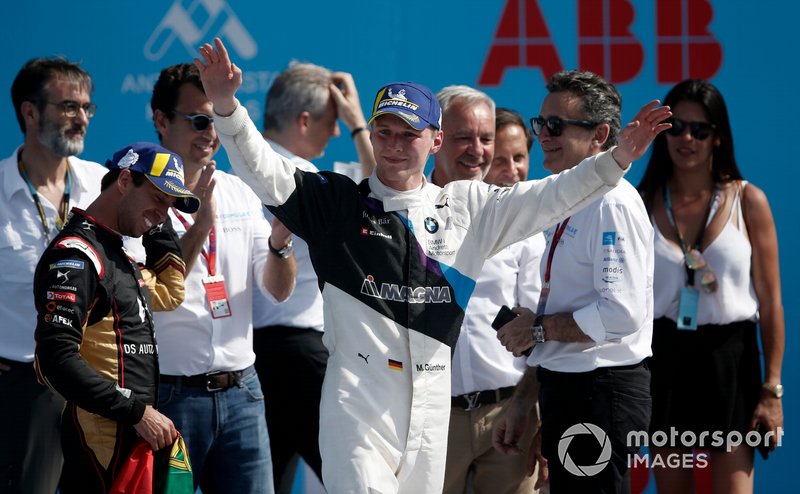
[505, 47]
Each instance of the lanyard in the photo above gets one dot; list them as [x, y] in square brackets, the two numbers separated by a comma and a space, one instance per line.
[698, 242]
[545, 293]
[60, 217]
[211, 255]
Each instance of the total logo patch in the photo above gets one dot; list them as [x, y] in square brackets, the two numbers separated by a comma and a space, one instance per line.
[61, 296]
[431, 225]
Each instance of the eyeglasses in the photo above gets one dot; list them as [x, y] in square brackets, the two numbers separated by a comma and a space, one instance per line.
[199, 121]
[555, 125]
[70, 108]
[698, 130]
[696, 261]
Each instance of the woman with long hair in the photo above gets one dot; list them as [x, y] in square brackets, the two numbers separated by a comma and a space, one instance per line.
[717, 280]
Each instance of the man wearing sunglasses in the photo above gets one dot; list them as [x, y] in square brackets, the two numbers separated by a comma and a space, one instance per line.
[208, 384]
[300, 118]
[41, 181]
[593, 323]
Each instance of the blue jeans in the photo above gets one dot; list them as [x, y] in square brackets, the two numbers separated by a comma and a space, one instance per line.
[226, 434]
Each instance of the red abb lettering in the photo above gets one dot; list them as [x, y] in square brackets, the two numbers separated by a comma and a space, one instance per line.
[605, 43]
[515, 44]
[685, 47]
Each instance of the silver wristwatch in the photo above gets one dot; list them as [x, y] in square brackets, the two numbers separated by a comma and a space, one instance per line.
[775, 390]
[537, 330]
[283, 252]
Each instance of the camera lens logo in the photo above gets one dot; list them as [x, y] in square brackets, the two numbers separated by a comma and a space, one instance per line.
[602, 441]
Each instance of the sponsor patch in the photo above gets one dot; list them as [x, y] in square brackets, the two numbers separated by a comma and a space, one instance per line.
[61, 296]
[68, 263]
[609, 238]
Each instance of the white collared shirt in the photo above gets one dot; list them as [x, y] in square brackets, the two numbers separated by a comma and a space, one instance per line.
[602, 273]
[511, 277]
[303, 309]
[190, 341]
[22, 242]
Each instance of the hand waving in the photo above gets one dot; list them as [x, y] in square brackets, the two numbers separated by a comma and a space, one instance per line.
[640, 132]
[221, 78]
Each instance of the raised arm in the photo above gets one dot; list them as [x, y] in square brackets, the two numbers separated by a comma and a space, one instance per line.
[221, 78]
[344, 93]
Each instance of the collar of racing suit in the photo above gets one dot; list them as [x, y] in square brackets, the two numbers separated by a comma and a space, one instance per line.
[395, 200]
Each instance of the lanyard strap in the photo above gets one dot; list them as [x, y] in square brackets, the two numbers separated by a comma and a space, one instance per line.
[211, 255]
[545, 293]
[60, 217]
[699, 241]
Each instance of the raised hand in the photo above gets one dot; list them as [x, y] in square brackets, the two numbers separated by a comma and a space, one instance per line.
[640, 132]
[221, 78]
[345, 95]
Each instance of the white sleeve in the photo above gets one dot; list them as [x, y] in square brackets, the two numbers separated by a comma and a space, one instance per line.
[619, 246]
[508, 215]
[270, 175]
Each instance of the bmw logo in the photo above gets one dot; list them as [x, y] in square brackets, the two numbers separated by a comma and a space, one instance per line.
[431, 225]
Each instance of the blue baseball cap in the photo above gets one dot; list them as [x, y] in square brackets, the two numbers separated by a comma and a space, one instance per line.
[412, 102]
[162, 167]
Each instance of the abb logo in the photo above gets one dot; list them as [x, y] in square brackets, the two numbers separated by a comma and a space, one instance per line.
[684, 46]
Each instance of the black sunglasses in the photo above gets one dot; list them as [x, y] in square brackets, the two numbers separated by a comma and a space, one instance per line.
[199, 121]
[698, 130]
[555, 125]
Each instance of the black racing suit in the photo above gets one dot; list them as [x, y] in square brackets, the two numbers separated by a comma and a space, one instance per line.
[95, 343]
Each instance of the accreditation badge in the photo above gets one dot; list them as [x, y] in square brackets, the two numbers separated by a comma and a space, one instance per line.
[687, 310]
[217, 296]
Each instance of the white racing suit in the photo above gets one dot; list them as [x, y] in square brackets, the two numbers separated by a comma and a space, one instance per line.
[396, 272]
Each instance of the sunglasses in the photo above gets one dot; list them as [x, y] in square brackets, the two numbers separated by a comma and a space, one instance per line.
[698, 130]
[696, 261]
[199, 121]
[555, 125]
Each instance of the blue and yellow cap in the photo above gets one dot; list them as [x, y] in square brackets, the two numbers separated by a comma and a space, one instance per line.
[162, 167]
[412, 102]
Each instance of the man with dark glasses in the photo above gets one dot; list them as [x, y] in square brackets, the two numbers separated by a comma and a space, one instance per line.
[592, 326]
[42, 180]
[208, 384]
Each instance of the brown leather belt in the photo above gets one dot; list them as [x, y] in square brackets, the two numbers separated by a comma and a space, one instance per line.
[217, 381]
[471, 401]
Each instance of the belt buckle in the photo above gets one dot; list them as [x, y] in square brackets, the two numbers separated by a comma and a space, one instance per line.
[209, 387]
[472, 401]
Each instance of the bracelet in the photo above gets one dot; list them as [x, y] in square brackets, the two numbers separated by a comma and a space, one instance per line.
[282, 253]
[356, 131]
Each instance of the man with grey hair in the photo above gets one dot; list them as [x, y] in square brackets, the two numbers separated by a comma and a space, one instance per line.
[593, 323]
[300, 117]
[484, 374]
[41, 181]
[468, 141]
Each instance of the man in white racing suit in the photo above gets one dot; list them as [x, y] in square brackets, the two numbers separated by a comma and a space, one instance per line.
[397, 258]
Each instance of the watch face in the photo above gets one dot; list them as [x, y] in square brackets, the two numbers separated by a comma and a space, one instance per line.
[779, 390]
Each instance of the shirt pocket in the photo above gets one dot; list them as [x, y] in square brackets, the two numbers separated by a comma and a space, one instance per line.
[20, 249]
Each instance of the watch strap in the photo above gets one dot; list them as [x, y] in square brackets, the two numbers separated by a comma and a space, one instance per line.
[284, 252]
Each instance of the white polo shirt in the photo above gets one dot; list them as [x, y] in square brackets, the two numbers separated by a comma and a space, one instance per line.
[511, 277]
[22, 242]
[303, 309]
[602, 273]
